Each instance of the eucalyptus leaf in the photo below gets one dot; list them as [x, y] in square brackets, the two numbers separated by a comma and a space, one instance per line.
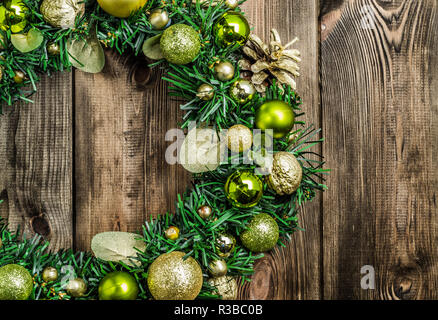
[27, 42]
[86, 54]
[117, 247]
[152, 49]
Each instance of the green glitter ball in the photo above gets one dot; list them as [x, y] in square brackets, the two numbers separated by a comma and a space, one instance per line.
[262, 233]
[231, 29]
[180, 44]
[244, 189]
[15, 283]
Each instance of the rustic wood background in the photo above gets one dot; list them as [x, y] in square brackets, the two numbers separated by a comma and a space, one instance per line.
[88, 155]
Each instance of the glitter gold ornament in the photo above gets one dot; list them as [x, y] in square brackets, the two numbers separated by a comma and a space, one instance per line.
[50, 274]
[244, 189]
[170, 277]
[225, 245]
[205, 212]
[205, 92]
[62, 13]
[276, 115]
[118, 285]
[180, 44]
[121, 8]
[53, 49]
[242, 91]
[13, 15]
[239, 138]
[172, 233]
[231, 29]
[224, 70]
[225, 286]
[218, 268]
[286, 173]
[76, 287]
[261, 234]
[159, 19]
[15, 282]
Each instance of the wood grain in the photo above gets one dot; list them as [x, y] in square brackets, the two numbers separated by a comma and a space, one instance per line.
[292, 272]
[36, 156]
[378, 80]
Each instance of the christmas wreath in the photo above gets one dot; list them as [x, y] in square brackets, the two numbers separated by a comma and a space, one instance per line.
[248, 152]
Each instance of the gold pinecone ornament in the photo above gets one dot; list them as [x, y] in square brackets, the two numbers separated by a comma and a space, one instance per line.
[268, 62]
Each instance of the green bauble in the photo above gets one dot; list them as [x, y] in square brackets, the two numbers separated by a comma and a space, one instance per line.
[244, 189]
[118, 285]
[231, 29]
[262, 233]
[242, 91]
[13, 14]
[15, 283]
[276, 115]
[180, 44]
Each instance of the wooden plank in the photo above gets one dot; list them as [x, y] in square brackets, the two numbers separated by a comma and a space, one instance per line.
[293, 272]
[379, 76]
[36, 156]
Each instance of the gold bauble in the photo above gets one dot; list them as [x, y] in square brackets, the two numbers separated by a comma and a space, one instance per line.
[172, 233]
[159, 19]
[286, 173]
[19, 76]
[239, 138]
[205, 92]
[170, 277]
[53, 49]
[225, 286]
[76, 287]
[50, 274]
[218, 268]
[225, 244]
[121, 8]
[224, 70]
[205, 212]
[62, 13]
[242, 91]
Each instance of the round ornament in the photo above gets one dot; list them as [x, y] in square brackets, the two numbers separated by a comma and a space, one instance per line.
[276, 115]
[286, 173]
[205, 212]
[121, 8]
[225, 244]
[159, 19]
[231, 29]
[15, 282]
[62, 13]
[218, 268]
[244, 189]
[170, 277]
[50, 274]
[118, 285]
[19, 77]
[239, 138]
[224, 70]
[172, 233]
[13, 15]
[262, 233]
[225, 286]
[205, 92]
[76, 287]
[180, 44]
[242, 91]
[53, 49]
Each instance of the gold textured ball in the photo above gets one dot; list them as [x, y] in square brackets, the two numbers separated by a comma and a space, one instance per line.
[205, 212]
[239, 138]
[170, 277]
[50, 274]
[172, 233]
[53, 49]
[218, 268]
[242, 91]
[15, 282]
[180, 44]
[121, 8]
[76, 287]
[286, 173]
[225, 286]
[159, 19]
[225, 244]
[261, 234]
[224, 70]
[62, 13]
[205, 92]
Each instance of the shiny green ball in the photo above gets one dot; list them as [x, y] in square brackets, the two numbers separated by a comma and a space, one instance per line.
[242, 91]
[118, 285]
[244, 189]
[16, 283]
[262, 233]
[180, 44]
[13, 14]
[231, 29]
[276, 115]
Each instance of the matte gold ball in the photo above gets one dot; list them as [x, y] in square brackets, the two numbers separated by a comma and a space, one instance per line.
[205, 212]
[172, 233]
[225, 244]
[170, 277]
[225, 286]
[224, 70]
[50, 274]
[239, 138]
[205, 92]
[218, 268]
[286, 173]
[76, 287]
[159, 19]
